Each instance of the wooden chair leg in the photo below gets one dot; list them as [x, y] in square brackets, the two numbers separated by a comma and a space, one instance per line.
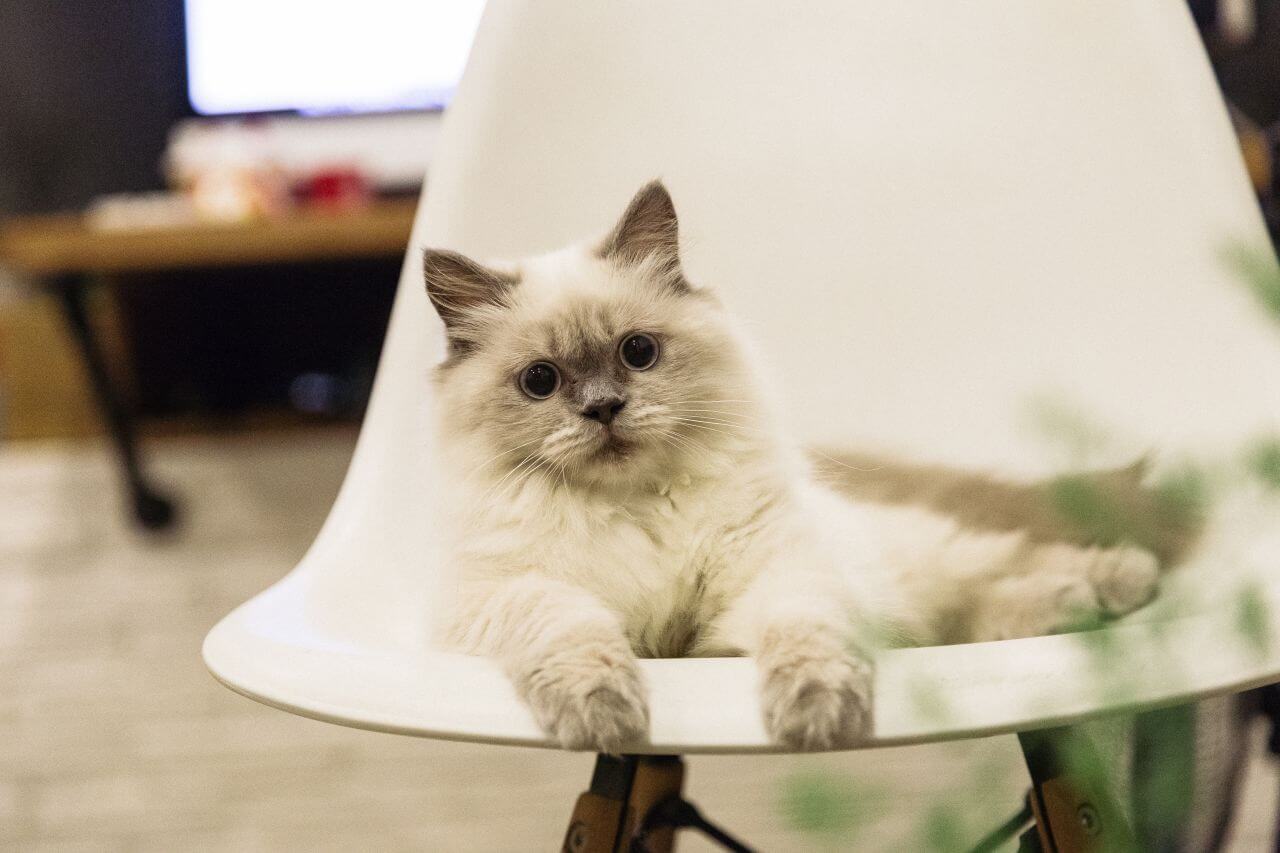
[659, 780]
[596, 824]
[635, 805]
[1075, 810]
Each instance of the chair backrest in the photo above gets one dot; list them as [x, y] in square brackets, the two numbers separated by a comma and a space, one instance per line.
[931, 215]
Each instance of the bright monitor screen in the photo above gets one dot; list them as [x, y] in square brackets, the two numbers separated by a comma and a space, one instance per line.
[326, 56]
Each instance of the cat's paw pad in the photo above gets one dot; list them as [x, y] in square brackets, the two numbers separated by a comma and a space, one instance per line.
[590, 702]
[1124, 579]
[604, 720]
[817, 703]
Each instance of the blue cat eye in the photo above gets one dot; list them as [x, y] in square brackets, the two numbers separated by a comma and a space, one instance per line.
[639, 351]
[540, 380]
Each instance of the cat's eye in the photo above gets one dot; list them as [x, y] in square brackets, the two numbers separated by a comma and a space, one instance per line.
[540, 380]
[639, 351]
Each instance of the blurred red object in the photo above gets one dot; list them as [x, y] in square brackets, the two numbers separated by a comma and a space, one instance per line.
[340, 188]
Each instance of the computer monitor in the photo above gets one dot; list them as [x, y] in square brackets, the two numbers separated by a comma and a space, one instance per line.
[325, 57]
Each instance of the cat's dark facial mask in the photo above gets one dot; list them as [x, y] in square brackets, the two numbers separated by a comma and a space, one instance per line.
[589, 363]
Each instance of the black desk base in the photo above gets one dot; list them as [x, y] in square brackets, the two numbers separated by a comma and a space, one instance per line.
[151, 510]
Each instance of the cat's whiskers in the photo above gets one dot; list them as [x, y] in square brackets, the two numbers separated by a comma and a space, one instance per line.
[667, 440]
[645, 414]
[714, 410]
[477, 469]
[710, 419]
[568, 449]
[517, 485]
[717, 412]
[738, 410]
[558, 461]
[730, 431]
[564, 441]
[677, 443]
[564, 432]
[683, 442]
[746, 423]
[716, 430]
[648, 409]
[730, 427]
[504, 479]
[680, 402]
[836, 461]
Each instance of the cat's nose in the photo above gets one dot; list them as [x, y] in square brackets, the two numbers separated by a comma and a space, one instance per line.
[603, 409]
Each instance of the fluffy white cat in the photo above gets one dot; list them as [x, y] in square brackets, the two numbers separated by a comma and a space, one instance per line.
[621, 487]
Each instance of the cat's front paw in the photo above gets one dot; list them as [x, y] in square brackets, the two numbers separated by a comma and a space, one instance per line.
[589, 698]
[816, 703]
[1124, 579]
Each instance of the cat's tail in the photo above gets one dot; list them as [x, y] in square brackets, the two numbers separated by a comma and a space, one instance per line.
[1103, 508]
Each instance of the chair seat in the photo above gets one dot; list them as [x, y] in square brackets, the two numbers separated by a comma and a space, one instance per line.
[1170, 653]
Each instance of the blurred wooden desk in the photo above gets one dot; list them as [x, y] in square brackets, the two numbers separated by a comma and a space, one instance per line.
[68, 255]
[60, 245]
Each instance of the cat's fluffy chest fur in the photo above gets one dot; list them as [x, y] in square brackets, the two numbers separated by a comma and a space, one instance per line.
[666, 555]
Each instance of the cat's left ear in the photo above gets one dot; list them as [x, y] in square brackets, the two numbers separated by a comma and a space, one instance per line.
[647, 232]
[457, 286]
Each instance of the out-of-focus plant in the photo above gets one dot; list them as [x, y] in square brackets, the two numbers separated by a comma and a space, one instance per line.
[1164, 515]
[944, 830]
[1253, 618]
[829, 807]
[1256, 268]
[1164, 774]
[1263, 460]
[1064, 426]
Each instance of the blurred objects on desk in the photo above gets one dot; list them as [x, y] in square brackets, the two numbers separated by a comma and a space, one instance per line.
[212, 319]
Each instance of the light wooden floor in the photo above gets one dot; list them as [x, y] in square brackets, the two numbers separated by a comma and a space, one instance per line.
[113, 736]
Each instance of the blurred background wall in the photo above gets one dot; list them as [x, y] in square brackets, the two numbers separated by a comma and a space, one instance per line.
[88, 93]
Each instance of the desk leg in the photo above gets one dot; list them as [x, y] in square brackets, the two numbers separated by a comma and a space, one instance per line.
[152, 511]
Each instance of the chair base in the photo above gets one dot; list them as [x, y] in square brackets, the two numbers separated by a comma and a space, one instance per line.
[1072, 804]
[634, 805]
[1070, 807]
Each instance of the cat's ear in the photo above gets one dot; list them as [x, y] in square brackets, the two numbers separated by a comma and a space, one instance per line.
[457, 285]
[647, 231]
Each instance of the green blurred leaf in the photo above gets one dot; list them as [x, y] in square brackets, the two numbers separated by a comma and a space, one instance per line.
[1252, 619]
[1111, 508]
[1100, 644]
[1088, 507]
[824, 804]
[1087, 622]
[930, 701]
[1082, 761]
[1164, 745]
[943, 830]
[1063, 423]
[1111, 683]
[1263, 460]
[1256, 267]
[1181, 495]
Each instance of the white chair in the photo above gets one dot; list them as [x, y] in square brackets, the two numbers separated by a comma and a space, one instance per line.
[932, 212]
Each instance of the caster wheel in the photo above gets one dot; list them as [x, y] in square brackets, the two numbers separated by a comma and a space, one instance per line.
[154, 512]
